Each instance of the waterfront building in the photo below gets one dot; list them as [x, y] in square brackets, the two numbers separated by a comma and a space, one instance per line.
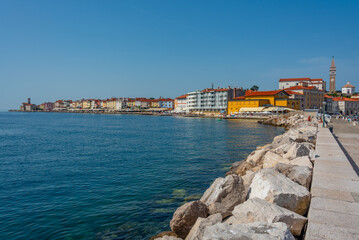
[255, 99]
[345, 106]
[291, 82]
[348, 89]
[313, 97]
[211, 101]
[298, 96]
[86, 104]
[40, 107]
[154, 103]
[27, 106]
[131, 103]
[166, 103]
[115, 103]
[332, 76]
[180, 104]
[329, 104]
[48, 106]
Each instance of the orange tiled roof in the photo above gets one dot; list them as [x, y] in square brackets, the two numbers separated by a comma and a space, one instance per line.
[299, 88]
[348, 85]
[182, 97]
[292, 92]
[239, 98]
[262, 93]
[345, 99]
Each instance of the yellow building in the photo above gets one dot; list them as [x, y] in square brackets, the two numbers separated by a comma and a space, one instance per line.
[254, 99]
[86, 104]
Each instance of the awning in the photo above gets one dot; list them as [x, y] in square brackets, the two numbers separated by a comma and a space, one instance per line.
[279, 109]
[253, 109]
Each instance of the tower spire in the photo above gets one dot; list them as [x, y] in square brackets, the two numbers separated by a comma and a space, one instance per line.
[333, 64]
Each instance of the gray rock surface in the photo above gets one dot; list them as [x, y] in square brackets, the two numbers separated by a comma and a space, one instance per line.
[186, 216]
[271, 159]
[249, 231]
[223, 195]
[275, 187]
[302, 161]
[299, 174]
[259, 210]
[256, 156]
[197, 230]
[297, 150]
[168, 238]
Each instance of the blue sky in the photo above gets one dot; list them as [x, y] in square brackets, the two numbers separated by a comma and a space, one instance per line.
[52, 50]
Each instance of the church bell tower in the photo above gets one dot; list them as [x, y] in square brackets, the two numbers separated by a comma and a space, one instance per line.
[332, 74]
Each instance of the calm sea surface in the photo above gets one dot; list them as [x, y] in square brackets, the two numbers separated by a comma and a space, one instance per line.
[84, 176]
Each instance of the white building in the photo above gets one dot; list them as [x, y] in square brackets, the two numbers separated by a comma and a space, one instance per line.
[348, 89]
[180, 104]
[291, 82]
[208, 100]
[345, 106]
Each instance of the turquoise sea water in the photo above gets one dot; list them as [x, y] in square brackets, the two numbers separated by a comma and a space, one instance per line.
[85, 176]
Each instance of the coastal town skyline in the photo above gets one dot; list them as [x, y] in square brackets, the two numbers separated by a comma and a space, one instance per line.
[146, 49]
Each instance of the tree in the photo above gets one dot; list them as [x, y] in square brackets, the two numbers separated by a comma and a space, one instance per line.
[254, 88]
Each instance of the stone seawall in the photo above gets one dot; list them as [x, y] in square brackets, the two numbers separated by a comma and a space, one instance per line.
[264, 197]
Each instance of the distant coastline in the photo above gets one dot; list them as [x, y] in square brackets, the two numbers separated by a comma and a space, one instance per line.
[149, 113]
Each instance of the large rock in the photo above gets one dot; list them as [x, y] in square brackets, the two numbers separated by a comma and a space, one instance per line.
[224, 194]
[282, 149]
[302, 161]
[247, 180]
[256, 156]
[165, 235]
[168, 238]
[271, 159]
[242, 168]
[283, 139]
[197, 230]
[298, 150]
[249, 231]
[186, 216]
[259, 210]
[275, 187]
[299, 174]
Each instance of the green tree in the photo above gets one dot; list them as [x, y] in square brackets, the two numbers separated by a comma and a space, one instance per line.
[254, 88]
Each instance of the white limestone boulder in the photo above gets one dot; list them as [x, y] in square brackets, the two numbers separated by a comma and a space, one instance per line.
[302, 161]
[224, 194]
[256, 156]
[197, 230]
[298, 150]
[271, 159]
[275, 187]
[259, 210]
[168, 238]
[186, 216]
[299, 174]
[249, 231]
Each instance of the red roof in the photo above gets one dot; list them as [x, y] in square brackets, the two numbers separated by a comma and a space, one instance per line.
[348, 85]
[239, 98]
[344, 99]
[299, 88]
[262, 93]
[182, 97]
[300, 79]
[291, 92]
[327, 96]
[293, 79]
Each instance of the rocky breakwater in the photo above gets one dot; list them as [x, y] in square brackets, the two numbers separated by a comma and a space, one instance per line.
[264, 197]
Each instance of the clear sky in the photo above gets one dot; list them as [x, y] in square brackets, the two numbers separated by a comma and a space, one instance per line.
[52, 50]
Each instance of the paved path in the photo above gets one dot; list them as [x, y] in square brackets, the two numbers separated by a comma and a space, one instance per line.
[334, 208]
[348, 137]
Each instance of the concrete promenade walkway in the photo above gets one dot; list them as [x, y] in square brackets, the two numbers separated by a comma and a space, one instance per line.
[334, 208]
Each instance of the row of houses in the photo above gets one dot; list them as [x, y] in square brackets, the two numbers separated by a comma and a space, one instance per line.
[114, 104]
[301, 94]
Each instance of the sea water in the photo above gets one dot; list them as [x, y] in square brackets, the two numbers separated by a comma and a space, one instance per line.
[91, 176]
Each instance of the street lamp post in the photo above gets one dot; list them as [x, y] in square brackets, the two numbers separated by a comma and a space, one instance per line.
[324, 103]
